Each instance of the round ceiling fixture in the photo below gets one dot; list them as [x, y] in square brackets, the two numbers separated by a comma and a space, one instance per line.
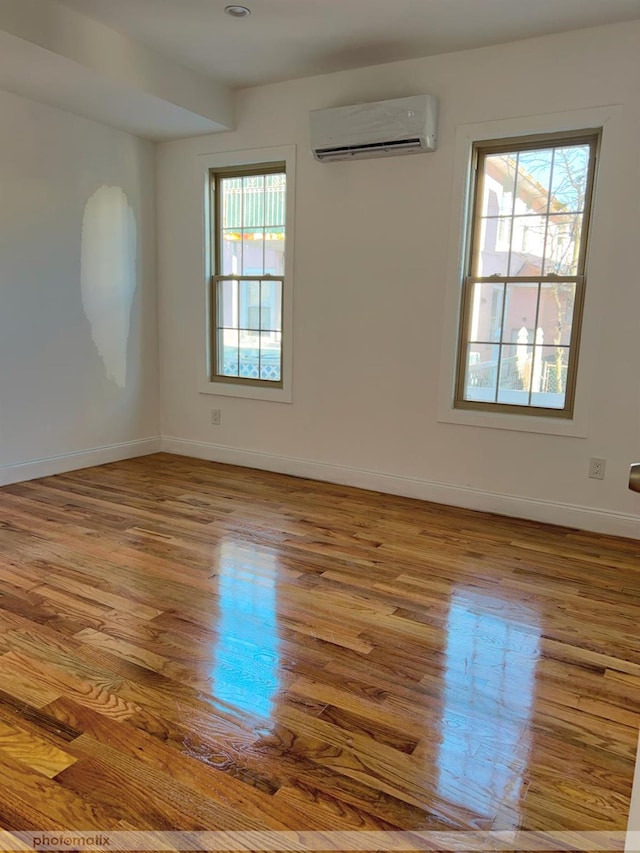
[237, 11]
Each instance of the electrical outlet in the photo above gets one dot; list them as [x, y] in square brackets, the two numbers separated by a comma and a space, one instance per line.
[216, 416]
[597, 468]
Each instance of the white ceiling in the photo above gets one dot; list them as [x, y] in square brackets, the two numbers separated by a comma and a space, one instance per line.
[166, 69]
[285, 39]
[53, 54]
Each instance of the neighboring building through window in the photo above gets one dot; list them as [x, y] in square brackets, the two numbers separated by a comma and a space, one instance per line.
[525, 274]
[247, 285]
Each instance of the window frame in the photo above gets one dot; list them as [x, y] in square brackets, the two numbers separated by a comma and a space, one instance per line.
[245, 160]
[216, 176]
[481, 149]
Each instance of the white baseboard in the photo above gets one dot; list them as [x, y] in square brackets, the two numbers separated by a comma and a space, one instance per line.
[568, 515]
[36, 468]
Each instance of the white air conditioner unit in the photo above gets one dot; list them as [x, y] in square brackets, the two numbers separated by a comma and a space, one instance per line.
[380, 129]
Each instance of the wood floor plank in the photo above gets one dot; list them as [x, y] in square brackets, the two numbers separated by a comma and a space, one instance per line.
[16, 712]
[30, 678]
[32, 801]
[163, 756]
[189, 645]
[34, 751]
[22, 685]
[168, 802]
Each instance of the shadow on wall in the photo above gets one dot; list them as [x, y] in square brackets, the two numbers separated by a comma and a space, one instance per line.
[108, 275]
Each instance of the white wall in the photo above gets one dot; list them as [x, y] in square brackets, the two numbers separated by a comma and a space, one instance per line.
[78, 328]
[372, 254]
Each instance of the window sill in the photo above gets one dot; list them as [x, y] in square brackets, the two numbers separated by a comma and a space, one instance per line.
[248, 392]
[575, 428]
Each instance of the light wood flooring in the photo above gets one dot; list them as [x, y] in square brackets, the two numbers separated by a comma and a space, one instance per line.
[186, 645]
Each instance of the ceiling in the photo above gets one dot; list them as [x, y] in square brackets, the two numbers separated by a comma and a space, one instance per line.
[167, 69]
[286, 39]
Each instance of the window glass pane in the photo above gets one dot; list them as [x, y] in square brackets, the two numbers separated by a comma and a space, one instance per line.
[499, 179]
[275, 200]
[481, 372]
[231, 261]
[271, 306]
[253, 251]
[227, 356]
[270, 355]
[570, 170]
[521, 302]
[534, 179]
[527, 245]
[486, 312]
[549, 383]
[274, 251]
[555, 320]
[541, 231]
[262, 251]
[249, 306]
[227, 304]
[515, 374]
[231, 189]
[249, 354]
[492, 251]
[253, 201]
[563, 244]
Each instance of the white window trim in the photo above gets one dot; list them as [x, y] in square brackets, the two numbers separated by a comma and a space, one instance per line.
[205, 163]
[466, 135]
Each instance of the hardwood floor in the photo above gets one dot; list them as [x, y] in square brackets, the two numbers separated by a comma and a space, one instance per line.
[185, 645]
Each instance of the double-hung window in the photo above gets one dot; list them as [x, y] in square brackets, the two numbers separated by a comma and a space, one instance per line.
[525, 274]
[248, 223]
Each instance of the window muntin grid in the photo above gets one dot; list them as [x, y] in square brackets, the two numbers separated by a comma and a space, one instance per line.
[247, 288]
[524, 289]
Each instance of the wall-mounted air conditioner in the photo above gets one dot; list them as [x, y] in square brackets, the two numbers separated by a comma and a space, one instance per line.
[380, 129]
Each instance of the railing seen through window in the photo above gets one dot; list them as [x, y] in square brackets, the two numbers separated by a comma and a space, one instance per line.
[247, 287]
[525, 274]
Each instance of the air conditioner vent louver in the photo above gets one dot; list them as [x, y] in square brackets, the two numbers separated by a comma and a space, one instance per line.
[380, 129]
[375, 148]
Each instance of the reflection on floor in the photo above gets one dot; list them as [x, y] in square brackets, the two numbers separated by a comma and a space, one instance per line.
[494, 646]
[245, 672]
[186, 645]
